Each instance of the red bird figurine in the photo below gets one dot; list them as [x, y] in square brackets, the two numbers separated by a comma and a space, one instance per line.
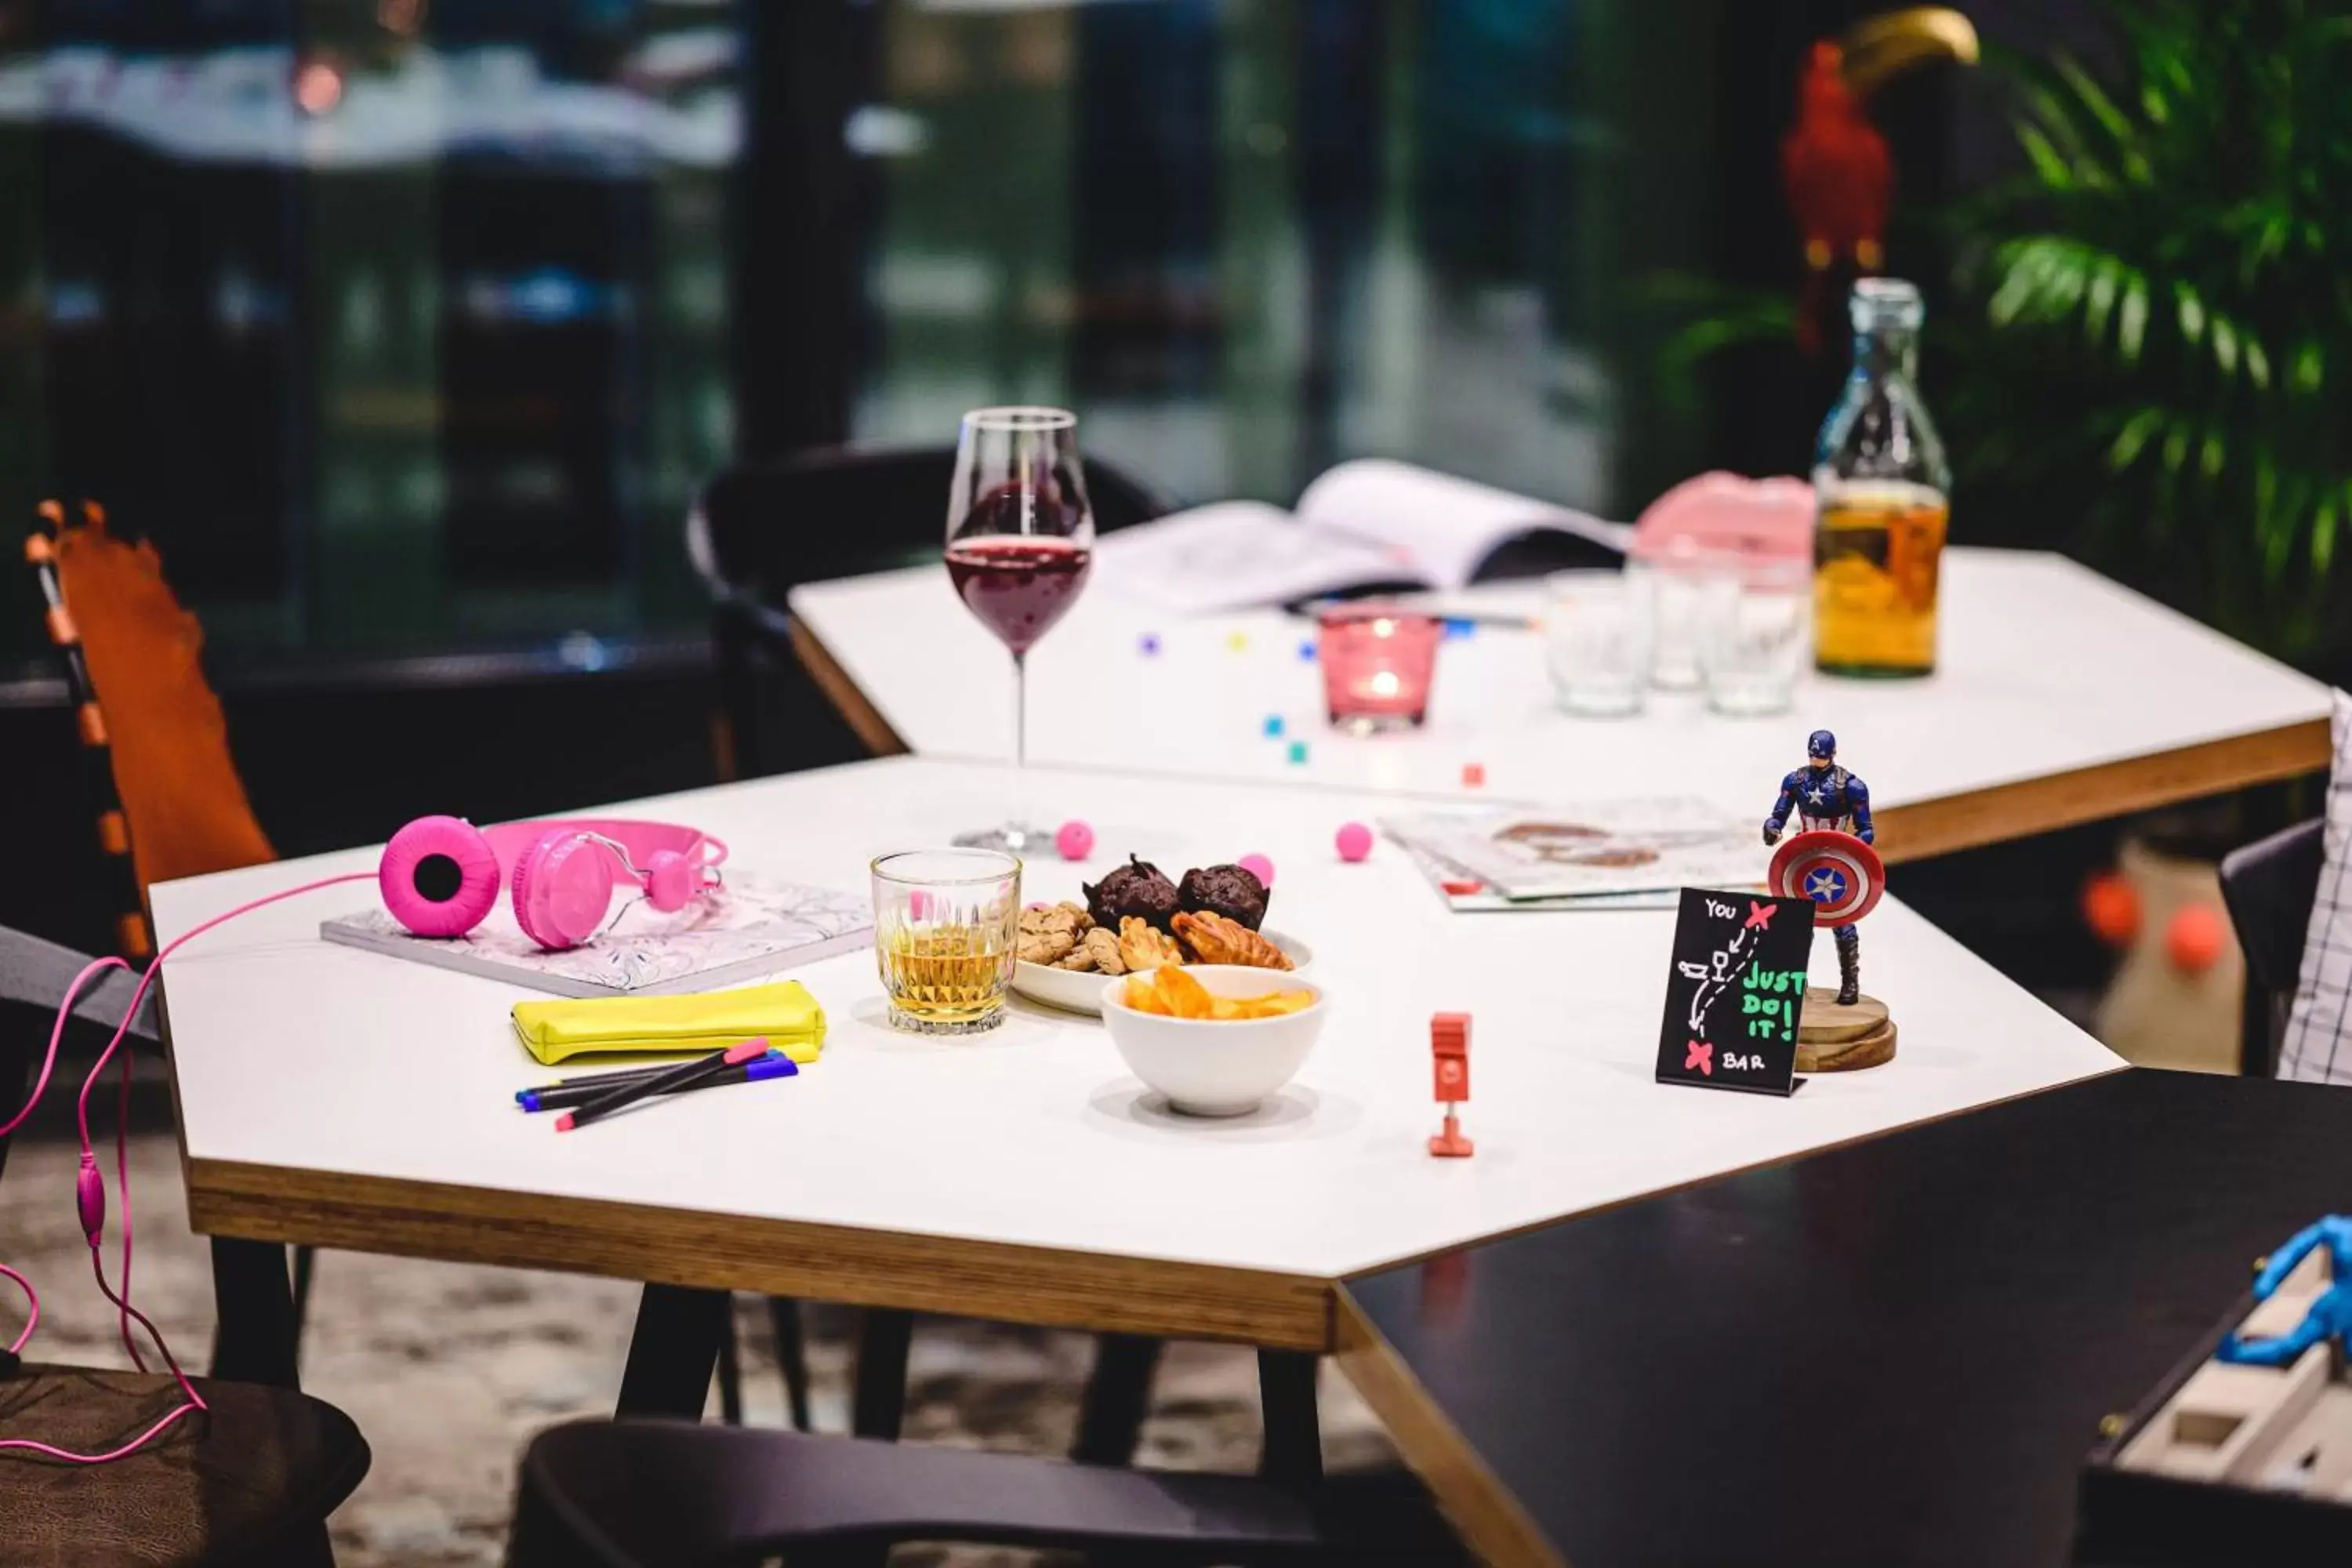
[1834, 164]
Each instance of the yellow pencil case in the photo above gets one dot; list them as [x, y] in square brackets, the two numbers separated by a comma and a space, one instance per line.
[675, 1026]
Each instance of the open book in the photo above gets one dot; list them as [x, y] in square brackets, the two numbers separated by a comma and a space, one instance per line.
[1368, 523]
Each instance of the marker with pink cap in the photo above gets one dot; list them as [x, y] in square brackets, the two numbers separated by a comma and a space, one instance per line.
[684, 1076]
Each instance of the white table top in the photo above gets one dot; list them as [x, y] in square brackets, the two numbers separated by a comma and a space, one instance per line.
[2045, 669]
[293, 1054]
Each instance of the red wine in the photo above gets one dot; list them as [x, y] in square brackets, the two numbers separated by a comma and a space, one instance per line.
[1020, 584]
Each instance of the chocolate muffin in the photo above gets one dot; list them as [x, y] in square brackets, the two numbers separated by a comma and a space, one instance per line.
[1229, 891]
[1139, 888]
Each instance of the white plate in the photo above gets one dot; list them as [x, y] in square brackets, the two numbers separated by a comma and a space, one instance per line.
[1081, 991]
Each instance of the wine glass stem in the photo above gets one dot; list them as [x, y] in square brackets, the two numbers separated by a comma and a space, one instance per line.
[1020, 710]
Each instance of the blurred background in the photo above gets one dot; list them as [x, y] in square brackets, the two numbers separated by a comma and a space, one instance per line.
[407, 328]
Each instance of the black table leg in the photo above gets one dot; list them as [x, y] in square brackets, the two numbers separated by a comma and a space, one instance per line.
[1117, 1398]
[879, 1402]
[673, 1352]
[731, 1371]
[1294, 1433]
[253, 1304]
[791, 1357]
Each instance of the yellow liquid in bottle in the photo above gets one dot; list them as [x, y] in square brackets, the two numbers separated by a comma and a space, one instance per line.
[1876, 553]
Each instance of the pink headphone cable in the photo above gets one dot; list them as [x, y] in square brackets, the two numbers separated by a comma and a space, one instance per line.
[90, 1186]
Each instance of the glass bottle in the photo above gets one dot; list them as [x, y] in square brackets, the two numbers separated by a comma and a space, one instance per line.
[1882, 490]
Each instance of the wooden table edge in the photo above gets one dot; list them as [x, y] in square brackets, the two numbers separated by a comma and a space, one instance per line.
[1480, 1508]
[2003, 812]
[1011, 1282]
[849, 698]
[1968, 820]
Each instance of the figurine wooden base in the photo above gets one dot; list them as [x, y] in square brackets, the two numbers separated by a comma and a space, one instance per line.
[1833, 1038]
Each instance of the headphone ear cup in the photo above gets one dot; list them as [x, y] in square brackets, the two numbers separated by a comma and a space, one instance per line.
[562, 889]
[438, 876]
[669, 880]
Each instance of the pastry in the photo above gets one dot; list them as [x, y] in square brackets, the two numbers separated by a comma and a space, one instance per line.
[1142, 947]
[1049, 936]
[1096, 954]
[1233, 891]
[1213, 939]
[1138, 889]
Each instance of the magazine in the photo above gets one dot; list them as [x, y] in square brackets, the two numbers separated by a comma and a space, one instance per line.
[1583, 853]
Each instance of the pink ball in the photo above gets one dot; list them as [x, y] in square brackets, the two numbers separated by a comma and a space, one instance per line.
[1076, 840]
[1258, 866]
[1355, 841]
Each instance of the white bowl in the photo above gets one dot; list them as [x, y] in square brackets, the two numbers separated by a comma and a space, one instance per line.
[1216, 1067]
[1081, 990]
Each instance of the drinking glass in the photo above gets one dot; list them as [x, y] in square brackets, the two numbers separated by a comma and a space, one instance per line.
[1597, 636]
[1677, 578]
[1755, 633]
[1020, 538]
[943, 937]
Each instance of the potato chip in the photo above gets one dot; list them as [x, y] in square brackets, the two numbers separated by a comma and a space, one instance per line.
[1185, 996]
[1144, 996]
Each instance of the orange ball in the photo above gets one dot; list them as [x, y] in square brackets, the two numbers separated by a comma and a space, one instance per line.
[2111, 908]
[2195, 937]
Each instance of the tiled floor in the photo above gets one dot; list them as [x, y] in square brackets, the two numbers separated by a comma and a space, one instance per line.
[449, 1369]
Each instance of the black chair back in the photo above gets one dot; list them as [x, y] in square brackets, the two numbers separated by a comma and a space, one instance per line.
[633, 1494]
[2269, 887]
[756, 531]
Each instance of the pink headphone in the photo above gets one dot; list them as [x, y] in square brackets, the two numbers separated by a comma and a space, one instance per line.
[441, 874]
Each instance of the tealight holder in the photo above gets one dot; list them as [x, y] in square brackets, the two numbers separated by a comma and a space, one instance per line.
[1378, 662]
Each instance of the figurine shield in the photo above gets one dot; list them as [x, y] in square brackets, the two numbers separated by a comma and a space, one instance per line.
[1839, 872]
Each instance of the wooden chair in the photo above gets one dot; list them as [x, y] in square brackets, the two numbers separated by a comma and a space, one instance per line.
[2268, 886]
[250, 1481]
[758, 531]
[169, 800]
[638, 1494]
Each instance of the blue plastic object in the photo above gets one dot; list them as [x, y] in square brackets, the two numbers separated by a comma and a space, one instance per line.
[1457, 630]
[1306, 651]
[1272, 725]
[2329, 1318]
[1298, 751]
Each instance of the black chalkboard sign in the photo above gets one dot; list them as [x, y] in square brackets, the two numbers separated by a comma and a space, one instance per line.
[1735, 992]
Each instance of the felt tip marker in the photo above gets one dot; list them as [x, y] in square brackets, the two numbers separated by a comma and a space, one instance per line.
[685, 1075]
[580, 1091]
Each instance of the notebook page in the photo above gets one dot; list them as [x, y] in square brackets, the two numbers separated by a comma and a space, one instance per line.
[1445, 526]
[1232, 555]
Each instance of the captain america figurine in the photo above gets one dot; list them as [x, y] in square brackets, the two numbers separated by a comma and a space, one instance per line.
[1821, 795]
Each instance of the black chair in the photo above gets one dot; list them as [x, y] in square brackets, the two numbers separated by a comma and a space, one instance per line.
[2269, 887]
[638, 1494]
[250, 1481]
[758, 531]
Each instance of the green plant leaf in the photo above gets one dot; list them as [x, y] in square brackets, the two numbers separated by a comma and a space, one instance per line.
[2225, 345]
[2053, 170]
[2131, 322]
[2099, 300]
[2192, 311]
[2134, 436]
[2258, 364]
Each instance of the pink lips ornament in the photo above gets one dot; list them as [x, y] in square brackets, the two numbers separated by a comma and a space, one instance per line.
[1768, 519]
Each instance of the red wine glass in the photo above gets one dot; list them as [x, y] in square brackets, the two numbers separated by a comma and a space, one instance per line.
[1020, 538]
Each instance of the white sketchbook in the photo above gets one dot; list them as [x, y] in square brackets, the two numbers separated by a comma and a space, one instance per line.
[743, 930]
[1367, 521]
